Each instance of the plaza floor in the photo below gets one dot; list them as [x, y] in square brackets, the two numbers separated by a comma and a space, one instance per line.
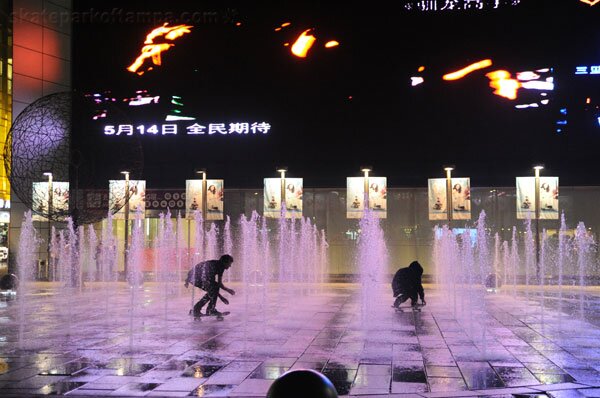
[89, 341]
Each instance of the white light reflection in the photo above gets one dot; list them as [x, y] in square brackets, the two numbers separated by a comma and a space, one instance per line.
[527, 75]
[416, 80]
[523, 106]
[538, 85]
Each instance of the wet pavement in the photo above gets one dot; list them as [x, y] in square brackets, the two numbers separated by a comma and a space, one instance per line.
[518, 343]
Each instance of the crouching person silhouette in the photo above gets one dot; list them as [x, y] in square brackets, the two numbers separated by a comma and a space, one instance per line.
[208, 276]
[407, 285]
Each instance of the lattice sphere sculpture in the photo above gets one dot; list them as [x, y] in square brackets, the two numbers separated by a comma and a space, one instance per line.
[38, 142]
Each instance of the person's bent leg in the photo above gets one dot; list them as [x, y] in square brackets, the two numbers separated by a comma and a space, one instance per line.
[213, 293]
[198, 306]
[400, 299]
[413, 299]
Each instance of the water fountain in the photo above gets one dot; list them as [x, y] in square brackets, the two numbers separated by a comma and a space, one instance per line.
[26, 268]
[584, 244]
[91, 251]
[514, 260]
[179, 248]
[227, 242]
[372, 263]
[135, 277]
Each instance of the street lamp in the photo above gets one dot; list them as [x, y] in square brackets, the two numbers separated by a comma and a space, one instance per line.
[448, 170]
[126, 243]
[282, 170]
[366, 170]
[49, 175]
[537, 169]
[204, 204]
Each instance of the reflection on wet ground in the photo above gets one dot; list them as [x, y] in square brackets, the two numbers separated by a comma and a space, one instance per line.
[524, 344]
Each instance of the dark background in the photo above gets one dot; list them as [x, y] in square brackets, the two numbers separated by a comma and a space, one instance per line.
[342, 108]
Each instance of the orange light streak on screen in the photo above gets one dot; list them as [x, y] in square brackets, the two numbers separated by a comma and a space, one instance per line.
[503, 85]
[153, 50]
[459, 74]
[303, 43]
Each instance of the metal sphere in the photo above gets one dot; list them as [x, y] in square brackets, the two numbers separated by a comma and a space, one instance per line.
[9, 282]
[302, 383]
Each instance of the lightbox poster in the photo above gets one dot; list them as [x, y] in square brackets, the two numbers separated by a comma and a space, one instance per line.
[293, 197]
[378, 196]
[548, 198]
[272, 198]
[355, 187]
[214, 199]
[461, 198]
[137, 198]
[437, 203]
[193, 197]
[60, 199]
[525, 198]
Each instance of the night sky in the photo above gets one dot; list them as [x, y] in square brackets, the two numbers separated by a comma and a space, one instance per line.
[348, 106]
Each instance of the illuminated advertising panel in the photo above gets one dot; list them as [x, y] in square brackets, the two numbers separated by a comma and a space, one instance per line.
[214, 199]
[461, 198]
[355, 188]
[548, 198]
[117, 198]
[355, 196]
[378, 196]
[40, 198]
[293, 197]
[437, 199]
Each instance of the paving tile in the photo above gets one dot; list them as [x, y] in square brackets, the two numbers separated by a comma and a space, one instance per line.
[437, 384]
[227, 377]
[480, 375]
[566, 394]
[405, 388]
[409, 374]
[268, 372]
[515, 377]
[38, 381]
[180, 384]
[443, 371]
[559, 386]
[237, 366]
[200, 371]
[134, 389]
[553, 378]
[94, 393]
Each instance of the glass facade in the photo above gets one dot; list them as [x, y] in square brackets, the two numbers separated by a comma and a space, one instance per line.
[407, 228]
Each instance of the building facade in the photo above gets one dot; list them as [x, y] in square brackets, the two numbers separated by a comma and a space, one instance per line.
[41, 65]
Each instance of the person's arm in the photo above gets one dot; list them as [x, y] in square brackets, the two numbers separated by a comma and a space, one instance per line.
[222, 286]
[188, 280]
